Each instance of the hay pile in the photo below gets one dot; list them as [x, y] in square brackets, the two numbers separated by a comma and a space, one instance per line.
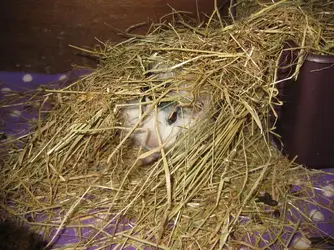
[80, 164]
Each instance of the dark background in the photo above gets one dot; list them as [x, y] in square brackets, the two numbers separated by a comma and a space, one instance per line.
[35, 34]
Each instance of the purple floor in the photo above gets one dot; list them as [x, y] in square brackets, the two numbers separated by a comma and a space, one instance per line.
[14, 121]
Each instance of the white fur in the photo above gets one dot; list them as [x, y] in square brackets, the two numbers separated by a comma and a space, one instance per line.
[148, 135]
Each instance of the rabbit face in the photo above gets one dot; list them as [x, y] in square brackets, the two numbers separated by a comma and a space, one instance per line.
[167, 122]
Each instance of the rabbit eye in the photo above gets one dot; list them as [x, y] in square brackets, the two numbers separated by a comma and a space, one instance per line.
[172, 117]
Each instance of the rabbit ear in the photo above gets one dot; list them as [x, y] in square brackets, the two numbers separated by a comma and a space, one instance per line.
[164, 72]
[205, 100]
[159, 63]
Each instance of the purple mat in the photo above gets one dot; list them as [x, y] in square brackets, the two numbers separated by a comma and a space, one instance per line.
[14, 122]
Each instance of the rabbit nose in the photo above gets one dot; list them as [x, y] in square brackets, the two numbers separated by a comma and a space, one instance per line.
[152, 141]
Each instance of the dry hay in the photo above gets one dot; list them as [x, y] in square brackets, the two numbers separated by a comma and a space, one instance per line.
[76, 166]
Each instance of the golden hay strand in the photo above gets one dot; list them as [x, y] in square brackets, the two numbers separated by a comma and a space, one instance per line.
[81, 162]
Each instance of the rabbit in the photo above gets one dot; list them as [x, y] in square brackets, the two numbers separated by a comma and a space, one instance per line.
[169, 118]
[15, 236]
